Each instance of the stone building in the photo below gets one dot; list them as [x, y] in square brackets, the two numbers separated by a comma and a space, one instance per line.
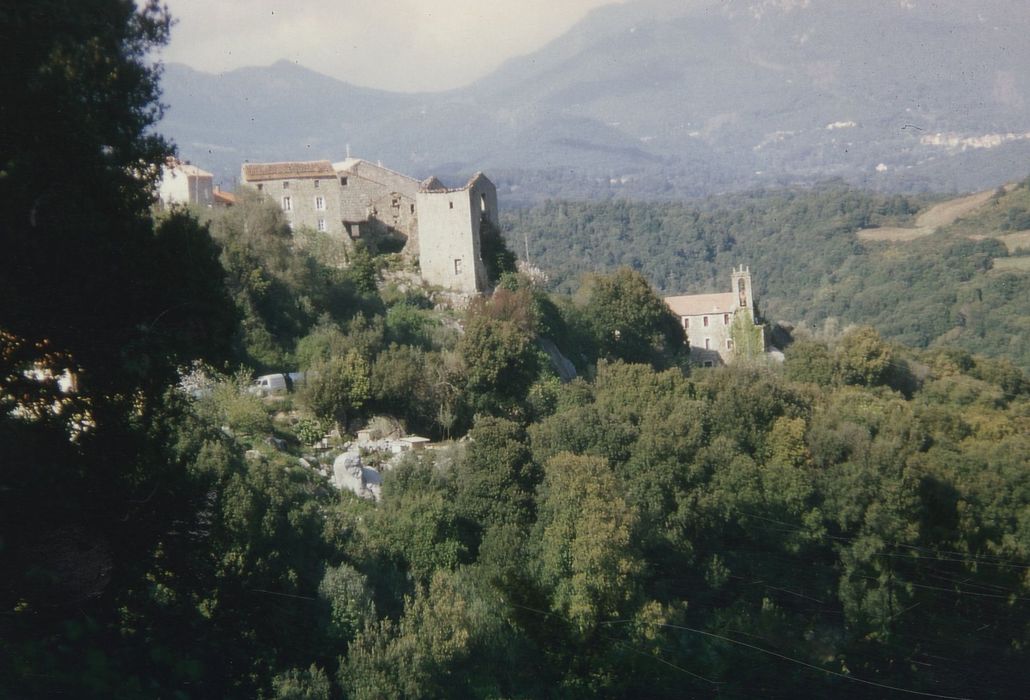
[183, 183]
[355, 198]
[449, 232]
[374, 199]
[713, 323]
[308, 192]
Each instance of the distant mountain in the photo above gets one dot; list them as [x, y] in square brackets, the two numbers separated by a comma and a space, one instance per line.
[662, 97]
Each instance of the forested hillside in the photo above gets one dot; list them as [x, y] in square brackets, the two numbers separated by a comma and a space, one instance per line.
[851, 522]
[963, 285]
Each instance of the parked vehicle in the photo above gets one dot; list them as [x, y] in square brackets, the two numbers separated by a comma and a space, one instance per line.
[269, 384]
[279, 383]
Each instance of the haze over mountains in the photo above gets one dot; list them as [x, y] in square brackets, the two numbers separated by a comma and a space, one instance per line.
[661, 98]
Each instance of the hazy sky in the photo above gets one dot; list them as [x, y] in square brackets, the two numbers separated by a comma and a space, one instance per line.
[391, 44]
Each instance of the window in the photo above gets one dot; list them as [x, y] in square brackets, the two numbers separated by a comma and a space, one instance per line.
[741, 293]
[708, 343]
[261, 186]
[457, 266]
[396, 203]
[286, 184]
[708, 363]
[287, 204]
[725, 319]
[316, 184]
[450, 205]
[343, 182]
[411, 207]
[706, 322]
[319, 202]
[729, 344]
[321, 225]
[482, 201]
[686, 322]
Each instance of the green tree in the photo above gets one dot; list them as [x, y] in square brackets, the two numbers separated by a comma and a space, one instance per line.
[440, 628]
[630, 322]
[809, 361]
[297, 684]
[863, 358]
[103, 499]
[585, 534]
[338, 386]
[400, 386]
[325, 341]
[230, 404]
[493, 249]
[347, 595]
[500, 357]
[495, 481]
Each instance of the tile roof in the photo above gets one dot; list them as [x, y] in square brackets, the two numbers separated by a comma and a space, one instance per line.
[374, 172]
[224, 197]
[253, 172]
[699, 304]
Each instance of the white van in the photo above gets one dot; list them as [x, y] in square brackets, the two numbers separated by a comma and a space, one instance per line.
[268, 384]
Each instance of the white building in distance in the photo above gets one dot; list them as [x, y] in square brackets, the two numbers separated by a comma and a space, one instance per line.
[183, 183]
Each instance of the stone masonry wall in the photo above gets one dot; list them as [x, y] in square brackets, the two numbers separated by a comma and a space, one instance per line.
[449, 224]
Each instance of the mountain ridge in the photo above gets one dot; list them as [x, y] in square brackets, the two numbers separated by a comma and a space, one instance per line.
[653, 98]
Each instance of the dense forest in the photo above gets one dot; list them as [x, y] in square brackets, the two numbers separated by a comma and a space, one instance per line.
[809, 266]
[851, 522]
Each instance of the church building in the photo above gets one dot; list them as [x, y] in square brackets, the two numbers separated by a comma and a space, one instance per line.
[714, 323]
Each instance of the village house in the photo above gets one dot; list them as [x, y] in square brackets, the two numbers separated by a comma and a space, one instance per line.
[377, 199]
[183, 183]
[711, 321]
[306, 191]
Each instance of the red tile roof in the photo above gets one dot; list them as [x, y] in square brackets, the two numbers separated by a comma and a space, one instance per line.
[227, 198]
[700, 304]
[253, 172]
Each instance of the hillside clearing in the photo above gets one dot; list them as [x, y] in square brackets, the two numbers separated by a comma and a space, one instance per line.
[943, 214]
[1015, 241]
[894, 234]
[1020, 264]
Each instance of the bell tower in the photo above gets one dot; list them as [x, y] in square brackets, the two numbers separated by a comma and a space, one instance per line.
[742, 288]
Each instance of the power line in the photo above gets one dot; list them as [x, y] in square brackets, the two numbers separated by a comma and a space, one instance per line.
[793, 660]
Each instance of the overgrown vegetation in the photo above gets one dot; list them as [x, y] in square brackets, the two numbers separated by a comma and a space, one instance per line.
[853, 521]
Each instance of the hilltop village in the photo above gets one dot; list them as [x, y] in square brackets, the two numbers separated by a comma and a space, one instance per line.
[441, 228]
[355, 198]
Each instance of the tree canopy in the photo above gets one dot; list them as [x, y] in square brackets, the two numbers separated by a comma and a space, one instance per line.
[594, 520]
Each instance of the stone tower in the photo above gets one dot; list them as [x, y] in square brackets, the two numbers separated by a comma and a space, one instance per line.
[742, 289]
[449, 222]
